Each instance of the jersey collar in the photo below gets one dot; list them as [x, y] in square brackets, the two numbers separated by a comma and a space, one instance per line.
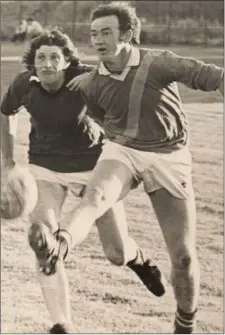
[134, 60]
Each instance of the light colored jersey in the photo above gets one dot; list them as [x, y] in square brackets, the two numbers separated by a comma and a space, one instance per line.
[141, 108]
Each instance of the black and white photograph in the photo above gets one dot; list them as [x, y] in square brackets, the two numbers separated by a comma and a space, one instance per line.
[112, 163]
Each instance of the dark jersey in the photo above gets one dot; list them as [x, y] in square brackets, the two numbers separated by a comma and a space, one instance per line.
[62, 137]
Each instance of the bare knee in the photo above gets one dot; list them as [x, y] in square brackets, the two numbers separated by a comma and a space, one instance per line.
[115, 255]
[184, 260]
[97, 200]
[95, 196]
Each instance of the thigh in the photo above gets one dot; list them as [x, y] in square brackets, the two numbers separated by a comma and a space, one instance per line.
[51, 197]
[112, 179]
[177, 219]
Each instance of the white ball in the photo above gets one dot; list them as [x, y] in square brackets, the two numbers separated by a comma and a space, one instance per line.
[19, 193]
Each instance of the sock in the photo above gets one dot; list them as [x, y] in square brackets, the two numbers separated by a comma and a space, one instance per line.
[138, 260]
[65, 242]
[184, 322]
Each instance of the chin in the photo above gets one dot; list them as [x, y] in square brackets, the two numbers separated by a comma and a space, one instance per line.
[47, 83]
[103, 58]
[106, 58]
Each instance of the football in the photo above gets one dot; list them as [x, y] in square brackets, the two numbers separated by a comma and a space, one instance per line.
[19, 192]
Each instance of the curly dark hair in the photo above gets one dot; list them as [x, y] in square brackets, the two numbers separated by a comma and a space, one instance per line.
[126, 15]
[51, 37]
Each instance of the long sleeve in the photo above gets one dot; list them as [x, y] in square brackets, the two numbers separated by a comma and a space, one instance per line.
[193, 73]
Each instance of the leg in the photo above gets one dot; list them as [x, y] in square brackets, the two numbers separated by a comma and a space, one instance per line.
[177, 218]
[121, 249]
[46, 214]
[111, 180]
[118, 246]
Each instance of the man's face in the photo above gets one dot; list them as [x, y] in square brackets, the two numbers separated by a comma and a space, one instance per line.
[106, 37]
[49, 63]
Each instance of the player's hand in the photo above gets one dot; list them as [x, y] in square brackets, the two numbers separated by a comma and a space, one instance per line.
[76, 82]
[95, 132]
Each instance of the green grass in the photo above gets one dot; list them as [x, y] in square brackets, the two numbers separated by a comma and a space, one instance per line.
[109, 299]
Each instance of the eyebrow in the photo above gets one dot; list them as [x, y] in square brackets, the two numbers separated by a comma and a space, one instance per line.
[43, 53]
[103, 29]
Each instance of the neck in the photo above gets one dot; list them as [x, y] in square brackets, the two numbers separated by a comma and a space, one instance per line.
[118, 62]
[55, 86]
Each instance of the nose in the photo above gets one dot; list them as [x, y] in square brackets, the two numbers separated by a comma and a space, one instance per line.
[48, 63]
[98, 40]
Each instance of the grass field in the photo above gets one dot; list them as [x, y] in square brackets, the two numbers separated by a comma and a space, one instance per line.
[109, 299]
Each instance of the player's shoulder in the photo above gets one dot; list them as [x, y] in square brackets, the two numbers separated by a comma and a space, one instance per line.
[154, 53]
[77, 68]
[23, 79]
[157, 59]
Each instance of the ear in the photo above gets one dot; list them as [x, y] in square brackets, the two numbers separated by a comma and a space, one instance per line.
[127, 36]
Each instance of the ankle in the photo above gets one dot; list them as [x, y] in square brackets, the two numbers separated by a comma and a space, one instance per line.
[138, 260]
[65, 242]
[185, 321]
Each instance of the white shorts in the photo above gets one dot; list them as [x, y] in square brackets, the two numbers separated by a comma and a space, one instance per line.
[74, 181]
[172, 171]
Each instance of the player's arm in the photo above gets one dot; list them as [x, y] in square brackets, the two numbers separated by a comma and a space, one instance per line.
[8, 134]
[10, 107]
[194, 73]
[84, 75]
[90, 126]
[83, 72]
[85, 68]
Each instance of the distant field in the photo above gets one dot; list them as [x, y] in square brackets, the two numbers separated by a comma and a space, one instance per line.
[109, 299]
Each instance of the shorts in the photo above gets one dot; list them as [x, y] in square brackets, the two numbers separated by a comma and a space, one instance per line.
[171, 171]
[74, 181]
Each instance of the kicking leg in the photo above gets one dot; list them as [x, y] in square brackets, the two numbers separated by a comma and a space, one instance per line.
[110, 181]
[177, 218]
[45, 218]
